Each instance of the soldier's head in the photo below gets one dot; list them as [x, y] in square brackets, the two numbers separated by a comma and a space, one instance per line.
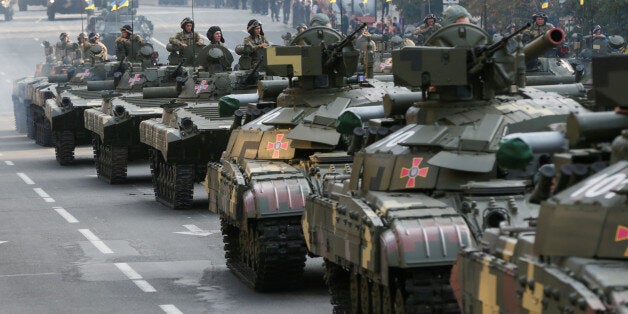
[126, 31]
[187, 25]
[456, 14]
[539, 18]
[301, 28]
[254, 28]
[94, 37]
[81, 38]
[63, 37]
[214, 34]
[510, 29]
[596, 30]
[429, 19]
[320, 19]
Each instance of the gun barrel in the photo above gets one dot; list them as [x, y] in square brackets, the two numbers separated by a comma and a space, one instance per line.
[542, 44]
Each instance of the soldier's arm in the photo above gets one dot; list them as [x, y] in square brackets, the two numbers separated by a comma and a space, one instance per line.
[175, 40]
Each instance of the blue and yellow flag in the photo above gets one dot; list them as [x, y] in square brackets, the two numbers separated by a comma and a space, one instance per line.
[581, 2]
[545, 4]
[123, 4]
[90, 5]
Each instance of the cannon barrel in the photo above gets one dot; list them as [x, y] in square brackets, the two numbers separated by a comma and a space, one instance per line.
[160, 92]
[595, 127]
[270, 89]
[100, 85]
[355, 117]
[398, 104]
[542, 44]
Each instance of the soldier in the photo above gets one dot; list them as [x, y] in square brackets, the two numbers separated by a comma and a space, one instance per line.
[83, 46]
[426, 30]
[188, 36]
[94, 39]
[251, 50]
[214, 34]
[456, 14]
[538, 28]
[125, 43]
[320, 19]
[596, 41]
[67, 51]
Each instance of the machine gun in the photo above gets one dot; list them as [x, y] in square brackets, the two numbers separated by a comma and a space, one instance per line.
[248, 80]
[336, 48]
[484, 52]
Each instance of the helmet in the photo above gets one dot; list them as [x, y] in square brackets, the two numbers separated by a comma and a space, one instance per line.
[301, 26]
[596, 28]
[454, 12]
[252, 24]
[127, 28]
[63, 35]
[319, 19]
[93, 37]
[429, 16]
[511, 26]
[211, 31]
[539, 14]
[81, 36]
[185, 21]
[616, 41]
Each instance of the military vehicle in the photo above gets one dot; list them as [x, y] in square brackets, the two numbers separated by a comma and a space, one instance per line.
[115, 124]
[195, 127]
[67, 7]
[272, 163]
[389, 232]
[64, 112]
[23, 4]
[108, 25]
[571, 259]
[6, 8]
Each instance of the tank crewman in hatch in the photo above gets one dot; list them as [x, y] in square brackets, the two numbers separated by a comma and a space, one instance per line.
[539, 27]
[251, 50]
[187, 37]
[94, 39]
[456, 14]
[428, 28]
[124, 43]
[65, 50]
[214, 34]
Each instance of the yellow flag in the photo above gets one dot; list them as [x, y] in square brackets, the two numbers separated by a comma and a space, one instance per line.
[545, 4]
[581, 2]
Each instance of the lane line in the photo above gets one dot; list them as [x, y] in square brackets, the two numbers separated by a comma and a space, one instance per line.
[128, 271]
[25, 178]
[25, 275]
[67, 216]
[170, 309]
[9, 163]
[193, 228]
[100, 245]
[144, 286]
[44, 195]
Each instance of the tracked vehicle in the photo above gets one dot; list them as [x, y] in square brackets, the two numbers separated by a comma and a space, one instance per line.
[194, 128]
[272, 163]
[64, 112]
[572, 258]
[389, 233]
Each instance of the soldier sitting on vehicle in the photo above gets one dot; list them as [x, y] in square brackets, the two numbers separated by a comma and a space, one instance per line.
[128, 44]
[214, 34]
[426, 30]
[251, 51]
[538, 28]
[182, 40]
[94, 39]
[214, 59]
[66, 51]
[81, 41]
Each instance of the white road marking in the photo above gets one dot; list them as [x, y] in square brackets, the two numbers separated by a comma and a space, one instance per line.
[144, 286]
[157, 42]
[100, 245]
[194, 230]
[92, 175]
[24, 275]
[9, 163]
[44, 195]
[170, 309]
[3, 242]
[25, 178]
[64, 213]
[128, 271]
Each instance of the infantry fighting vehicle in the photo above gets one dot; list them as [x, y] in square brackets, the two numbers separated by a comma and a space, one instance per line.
[272, 163]
[194, 128]
[115, 125]
[390, 232]
[573, 258]
[108, 24]
[64, 111]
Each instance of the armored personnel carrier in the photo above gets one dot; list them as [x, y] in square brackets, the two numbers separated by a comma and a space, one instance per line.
[115, 125]
[65, 111]
[108, 24]
[389, 233]
[272, 163]
[194, 128]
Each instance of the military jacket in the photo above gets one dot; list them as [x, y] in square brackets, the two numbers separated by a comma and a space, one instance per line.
[186, 38]
[535, 30]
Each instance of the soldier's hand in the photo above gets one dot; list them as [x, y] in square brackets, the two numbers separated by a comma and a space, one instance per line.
[263, 45]
[200, 43]
[184, 45]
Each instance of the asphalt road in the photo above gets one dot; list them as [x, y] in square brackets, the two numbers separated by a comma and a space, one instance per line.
[70, 243]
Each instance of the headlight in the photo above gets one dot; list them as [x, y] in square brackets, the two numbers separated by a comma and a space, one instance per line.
[51, 1]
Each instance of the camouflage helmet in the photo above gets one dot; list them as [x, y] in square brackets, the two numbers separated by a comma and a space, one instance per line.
[429, 16]
[81, 36]
[596, 28]
[454, 12]
[211, 31]
[539, 14]
[252, 24]
[319, 19]
[127, 28]
[301, 26]
[63, 35]
[93, 36]
[187, 20]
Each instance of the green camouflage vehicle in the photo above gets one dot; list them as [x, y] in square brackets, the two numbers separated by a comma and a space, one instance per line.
[194, 128]
[573, 258]
[272, 163]
[64, 112]
[115, 124]
[390, 232]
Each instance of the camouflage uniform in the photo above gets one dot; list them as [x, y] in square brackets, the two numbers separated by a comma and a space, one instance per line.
[123, 45]
[186, 38]
[251, 50]
[253, 43]
[537, 30]
[426, 31]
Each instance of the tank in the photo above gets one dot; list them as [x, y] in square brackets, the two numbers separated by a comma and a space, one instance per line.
[108, 24]
[272, 163]
[389, 231]
[194, 128]
[114, 125]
